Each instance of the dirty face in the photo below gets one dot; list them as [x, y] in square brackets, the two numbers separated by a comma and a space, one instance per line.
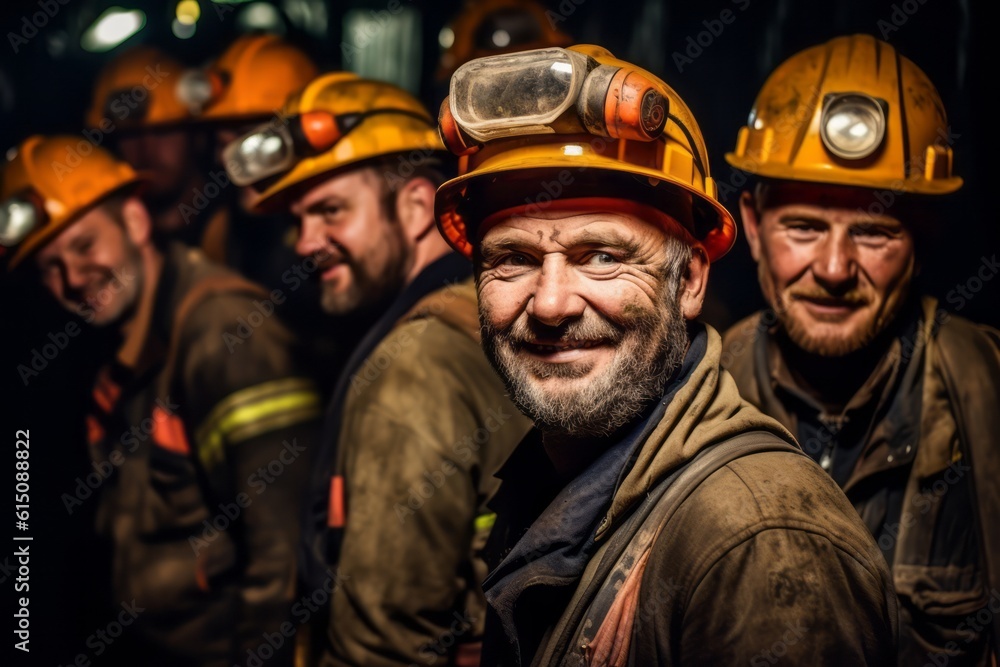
[835, 274]
[584, 314]
[362, 252]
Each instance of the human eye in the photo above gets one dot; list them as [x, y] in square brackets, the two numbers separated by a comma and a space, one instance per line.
[803, 230]
[872, 234]
[601, 259]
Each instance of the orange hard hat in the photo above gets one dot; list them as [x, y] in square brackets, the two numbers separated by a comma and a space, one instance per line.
[49, 182]
[853, 112]
[250, 81]
[491, 27]
[137, 89]
[538, 126]
[345, 121]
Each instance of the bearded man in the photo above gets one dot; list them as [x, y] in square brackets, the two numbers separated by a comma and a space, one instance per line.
[893, 396]
[652, 516]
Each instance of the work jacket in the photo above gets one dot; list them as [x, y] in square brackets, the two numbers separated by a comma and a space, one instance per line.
[925, 470]
[762, 560]
[204, 425]
[417, 426]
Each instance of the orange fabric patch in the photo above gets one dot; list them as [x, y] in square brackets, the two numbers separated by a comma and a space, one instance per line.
[168, 432]
[335, 511]
[95, 432]
[106, 392]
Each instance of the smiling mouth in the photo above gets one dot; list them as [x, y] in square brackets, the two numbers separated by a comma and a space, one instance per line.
[550, 348]
[830, 302]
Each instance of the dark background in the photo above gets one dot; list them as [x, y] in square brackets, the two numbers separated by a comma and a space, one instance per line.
[46, 85]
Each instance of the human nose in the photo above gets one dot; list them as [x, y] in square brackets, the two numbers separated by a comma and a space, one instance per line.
[556, 298]
[835, 264]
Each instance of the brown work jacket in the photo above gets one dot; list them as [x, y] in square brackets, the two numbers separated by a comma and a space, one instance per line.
[204, 424]
[764, 561]
[932, 444]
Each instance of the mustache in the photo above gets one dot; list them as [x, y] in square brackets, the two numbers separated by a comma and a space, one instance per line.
[328, 258]
[853, 297]
[589, 329]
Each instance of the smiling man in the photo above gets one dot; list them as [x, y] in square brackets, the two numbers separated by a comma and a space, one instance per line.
[418, 422]
[893, 396]
[652, 516]
[200, 425]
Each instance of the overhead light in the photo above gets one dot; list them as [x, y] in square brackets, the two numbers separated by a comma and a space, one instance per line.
[112, 28]
[188, 12]
[261, 16]
[182, 30]
[446, 38]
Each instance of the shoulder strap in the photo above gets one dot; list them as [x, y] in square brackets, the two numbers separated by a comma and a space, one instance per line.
[601, 620]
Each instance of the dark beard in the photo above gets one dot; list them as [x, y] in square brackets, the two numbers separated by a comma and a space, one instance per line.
[650, 346]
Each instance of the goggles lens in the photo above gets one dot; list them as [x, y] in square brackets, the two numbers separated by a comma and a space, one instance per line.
[852, 126]
[262, 152]
[17, 218]
[519, 93]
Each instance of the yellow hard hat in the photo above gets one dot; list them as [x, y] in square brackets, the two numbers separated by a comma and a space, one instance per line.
[335, 122]
[492, 27]
[49, 182]
[250, 81]
[587, 125]
[853, 112]
[137, 89]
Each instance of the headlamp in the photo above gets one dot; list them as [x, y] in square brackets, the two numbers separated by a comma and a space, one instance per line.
[18, 216]
[275, 147]
[197, 87]
[548, 91]
[853, 125]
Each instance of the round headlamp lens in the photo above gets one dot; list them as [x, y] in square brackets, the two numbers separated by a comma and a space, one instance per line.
[195, 90]
[258, 154]
[17, 218]
[852, 126]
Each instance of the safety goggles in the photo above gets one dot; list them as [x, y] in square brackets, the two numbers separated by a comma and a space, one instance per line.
[548, 91]
[19, 215]
[852, 125]
[275, 147]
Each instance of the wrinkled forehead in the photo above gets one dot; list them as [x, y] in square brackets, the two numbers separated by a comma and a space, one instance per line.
[585, 218]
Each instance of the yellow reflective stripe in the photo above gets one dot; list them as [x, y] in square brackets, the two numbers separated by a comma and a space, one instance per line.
[485, 521]
[250, 395]
[254, 417]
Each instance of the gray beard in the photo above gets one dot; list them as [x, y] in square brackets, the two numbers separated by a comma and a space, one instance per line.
[650, 346]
